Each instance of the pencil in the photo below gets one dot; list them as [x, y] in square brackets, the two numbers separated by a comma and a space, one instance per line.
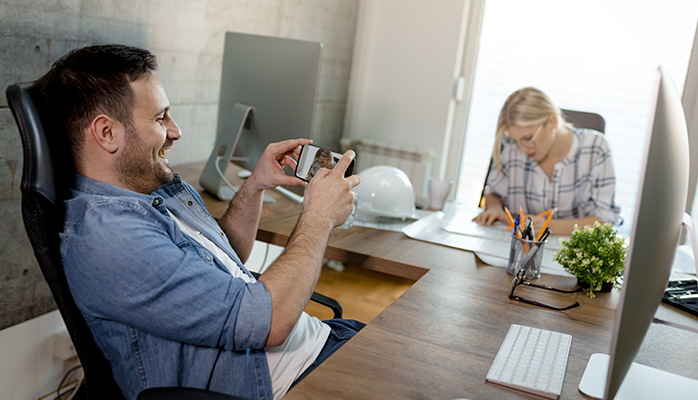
[540, 234]
[511, 220]
[544, 213]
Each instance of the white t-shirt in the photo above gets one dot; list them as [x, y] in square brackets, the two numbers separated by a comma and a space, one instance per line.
[302, 346]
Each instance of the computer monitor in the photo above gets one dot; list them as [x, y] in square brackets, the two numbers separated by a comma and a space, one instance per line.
[268, 93]
[653, 242]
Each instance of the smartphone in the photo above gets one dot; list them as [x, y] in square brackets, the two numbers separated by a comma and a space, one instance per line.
[312, 158]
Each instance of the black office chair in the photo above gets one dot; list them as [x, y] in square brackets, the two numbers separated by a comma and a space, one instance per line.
[580, 119]
[46, 178]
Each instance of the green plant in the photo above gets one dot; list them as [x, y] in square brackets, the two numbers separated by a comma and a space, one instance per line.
[595, 254]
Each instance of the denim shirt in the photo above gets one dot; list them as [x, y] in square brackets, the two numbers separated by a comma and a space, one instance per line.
[159, 305]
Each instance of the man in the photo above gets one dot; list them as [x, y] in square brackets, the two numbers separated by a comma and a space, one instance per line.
[161, 285]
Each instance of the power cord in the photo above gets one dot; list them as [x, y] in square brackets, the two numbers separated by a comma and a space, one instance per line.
[266, 254]
[59, 395]
[220, 173]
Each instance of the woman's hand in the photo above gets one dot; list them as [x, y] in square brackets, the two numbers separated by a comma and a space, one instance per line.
[489, 216]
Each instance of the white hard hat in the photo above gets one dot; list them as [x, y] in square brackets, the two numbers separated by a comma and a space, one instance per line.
[385, 191]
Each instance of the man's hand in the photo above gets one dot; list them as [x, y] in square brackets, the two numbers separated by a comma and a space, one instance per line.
[329, 196]
[269, 171]
[293, 276]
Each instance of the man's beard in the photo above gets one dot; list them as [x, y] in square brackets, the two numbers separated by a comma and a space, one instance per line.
[137, 169]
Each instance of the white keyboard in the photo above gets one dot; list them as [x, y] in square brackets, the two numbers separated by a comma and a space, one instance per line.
[532, 360]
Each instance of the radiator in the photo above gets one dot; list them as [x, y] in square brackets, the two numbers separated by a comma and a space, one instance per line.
[415, 162]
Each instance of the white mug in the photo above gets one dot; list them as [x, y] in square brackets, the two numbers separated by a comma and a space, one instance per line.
[438, 191]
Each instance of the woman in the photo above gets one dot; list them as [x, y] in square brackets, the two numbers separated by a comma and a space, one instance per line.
[323, 159]
[542, 163]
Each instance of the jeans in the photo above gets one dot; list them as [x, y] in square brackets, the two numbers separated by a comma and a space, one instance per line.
[342, 330]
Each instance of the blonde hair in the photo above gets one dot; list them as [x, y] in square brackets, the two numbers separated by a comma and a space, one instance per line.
[525, 107]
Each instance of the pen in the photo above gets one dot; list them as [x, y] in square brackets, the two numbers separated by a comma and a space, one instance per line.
[521, 216]
[527, 231]
[545, 235]
[516, 226]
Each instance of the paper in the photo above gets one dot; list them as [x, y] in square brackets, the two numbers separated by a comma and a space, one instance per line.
[491, 248]
[459, 219]
[386, 223]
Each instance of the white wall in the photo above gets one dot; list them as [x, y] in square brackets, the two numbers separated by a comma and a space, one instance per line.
[405, 57]
[28, 369]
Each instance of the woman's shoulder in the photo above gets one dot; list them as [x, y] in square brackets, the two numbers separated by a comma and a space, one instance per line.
[590, 138]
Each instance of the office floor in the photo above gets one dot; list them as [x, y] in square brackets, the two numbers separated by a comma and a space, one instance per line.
[362, 293]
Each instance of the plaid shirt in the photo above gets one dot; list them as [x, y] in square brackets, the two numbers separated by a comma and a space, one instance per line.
[583, 184]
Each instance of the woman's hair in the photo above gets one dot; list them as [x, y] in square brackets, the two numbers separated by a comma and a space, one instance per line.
[323, 154]
[525, 107]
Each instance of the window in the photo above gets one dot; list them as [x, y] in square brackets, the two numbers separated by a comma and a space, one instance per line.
[595, 55]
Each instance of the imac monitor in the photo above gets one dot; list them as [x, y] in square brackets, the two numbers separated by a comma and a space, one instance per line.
[268, 94]
[654, 239]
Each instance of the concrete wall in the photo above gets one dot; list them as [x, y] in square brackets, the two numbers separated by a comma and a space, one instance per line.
[187, 36]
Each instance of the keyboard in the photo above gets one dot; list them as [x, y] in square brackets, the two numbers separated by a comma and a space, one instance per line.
[532, 360]
[682, 294]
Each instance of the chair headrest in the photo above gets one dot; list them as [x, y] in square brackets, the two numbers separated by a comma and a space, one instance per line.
[39, 173]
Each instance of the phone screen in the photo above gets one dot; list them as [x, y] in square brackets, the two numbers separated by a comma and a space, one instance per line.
[312, 158]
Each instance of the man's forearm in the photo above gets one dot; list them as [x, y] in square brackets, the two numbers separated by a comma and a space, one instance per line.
[291, 279]
[241, 220]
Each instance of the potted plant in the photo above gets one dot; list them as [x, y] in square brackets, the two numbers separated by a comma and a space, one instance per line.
[595, 254]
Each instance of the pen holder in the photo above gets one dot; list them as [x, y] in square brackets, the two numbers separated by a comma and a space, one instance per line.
[526, 254]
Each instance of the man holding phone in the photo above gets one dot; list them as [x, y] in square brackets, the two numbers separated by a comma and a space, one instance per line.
[160, 283]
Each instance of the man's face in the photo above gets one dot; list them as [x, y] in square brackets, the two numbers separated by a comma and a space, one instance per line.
[142, 165]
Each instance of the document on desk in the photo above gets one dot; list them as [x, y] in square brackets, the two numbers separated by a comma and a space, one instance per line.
[454, 228]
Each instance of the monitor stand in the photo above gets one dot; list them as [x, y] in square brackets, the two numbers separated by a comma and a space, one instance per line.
[641, 382]
[213, 176]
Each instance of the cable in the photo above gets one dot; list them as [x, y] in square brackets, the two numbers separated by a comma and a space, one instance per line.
[266, 254]
[60, 395]
[675, 325]
[220, 173]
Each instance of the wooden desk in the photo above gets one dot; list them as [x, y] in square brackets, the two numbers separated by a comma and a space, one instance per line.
[438, 340]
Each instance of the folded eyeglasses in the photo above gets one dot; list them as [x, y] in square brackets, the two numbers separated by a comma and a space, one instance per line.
[519, 280]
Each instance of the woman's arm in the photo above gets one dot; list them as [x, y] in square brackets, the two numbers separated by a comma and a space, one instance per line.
[494, 210]
[563, 226]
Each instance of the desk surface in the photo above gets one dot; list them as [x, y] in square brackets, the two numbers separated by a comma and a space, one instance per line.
[440, 337]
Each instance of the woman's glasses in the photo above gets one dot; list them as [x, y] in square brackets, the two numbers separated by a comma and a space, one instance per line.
[526, 143]
[519, 280]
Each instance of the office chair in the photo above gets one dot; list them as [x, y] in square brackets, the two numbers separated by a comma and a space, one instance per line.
[46, 180]
[580, 119]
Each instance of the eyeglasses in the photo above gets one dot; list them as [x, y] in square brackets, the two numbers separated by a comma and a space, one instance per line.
[527, 143]
[519, 280]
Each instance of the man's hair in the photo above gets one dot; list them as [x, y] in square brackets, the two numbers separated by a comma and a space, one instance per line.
[90, 81]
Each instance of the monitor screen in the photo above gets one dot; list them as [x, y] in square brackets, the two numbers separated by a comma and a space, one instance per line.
[268, 94]
[654, 238]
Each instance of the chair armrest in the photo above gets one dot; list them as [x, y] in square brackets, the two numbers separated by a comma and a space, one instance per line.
[320, 299]
[182, 393]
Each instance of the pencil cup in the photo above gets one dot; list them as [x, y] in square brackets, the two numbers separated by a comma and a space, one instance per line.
[526, 254]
